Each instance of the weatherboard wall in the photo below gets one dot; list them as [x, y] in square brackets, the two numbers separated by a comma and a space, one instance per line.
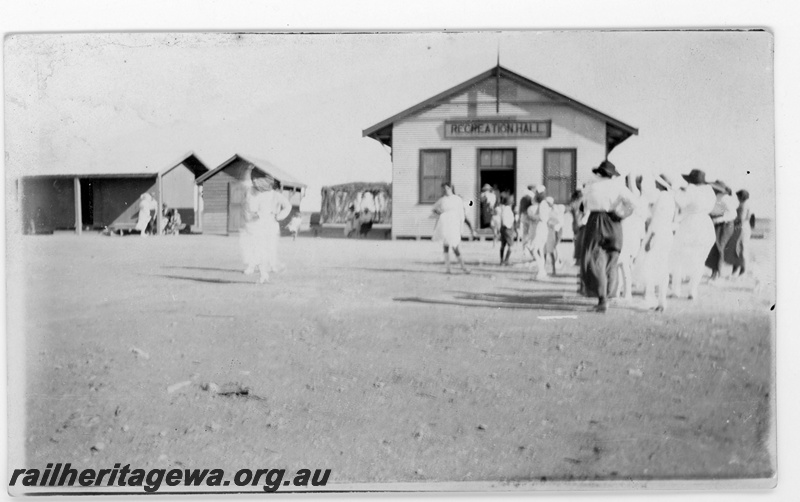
[570, 129]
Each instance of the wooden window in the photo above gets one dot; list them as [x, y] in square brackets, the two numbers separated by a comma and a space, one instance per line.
[496, 159]
[560, 174]
[434, 169]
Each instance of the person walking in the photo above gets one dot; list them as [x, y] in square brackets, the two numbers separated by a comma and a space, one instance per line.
[608, 201]
[146, 206]
[262, 210]
[695, 233]
[653, 264]
[449, 214]
[736, 251]
[507, 225]
[525, 202]
[633, 230]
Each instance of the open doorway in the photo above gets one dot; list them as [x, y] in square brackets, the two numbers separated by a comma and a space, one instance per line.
[87, 203]
[498, 169]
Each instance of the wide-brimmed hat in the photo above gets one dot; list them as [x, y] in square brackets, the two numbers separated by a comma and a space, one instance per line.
[486, 187]
[665, 181]
[606, 169]
[719, 186]
[695, 177]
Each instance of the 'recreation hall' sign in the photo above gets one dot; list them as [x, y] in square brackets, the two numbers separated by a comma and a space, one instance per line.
[497, 129]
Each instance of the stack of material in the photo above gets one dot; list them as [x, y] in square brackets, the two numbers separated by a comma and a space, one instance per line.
[376, 197]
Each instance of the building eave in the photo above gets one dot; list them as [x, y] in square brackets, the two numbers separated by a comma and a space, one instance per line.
[382, 131]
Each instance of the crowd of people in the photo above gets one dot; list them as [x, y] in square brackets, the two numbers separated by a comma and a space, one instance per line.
[646, 232]
[649, 232]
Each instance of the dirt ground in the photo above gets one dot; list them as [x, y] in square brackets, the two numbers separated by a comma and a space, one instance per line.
[365, 358]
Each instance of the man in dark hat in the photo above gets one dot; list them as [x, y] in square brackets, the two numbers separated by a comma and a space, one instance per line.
[723, 216]
[608, 201]
[695, 177]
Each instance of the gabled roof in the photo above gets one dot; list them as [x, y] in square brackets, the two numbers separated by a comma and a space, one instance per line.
[286, 180]
[190, 160]
[617, 131]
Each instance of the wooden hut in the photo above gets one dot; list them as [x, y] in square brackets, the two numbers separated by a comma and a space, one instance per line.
[223, 191]
[95, 201]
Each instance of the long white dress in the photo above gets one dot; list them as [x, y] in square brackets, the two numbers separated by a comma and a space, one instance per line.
[538, 216]
[633, 231]
[261, 214]
[652, 267]
[450, 209]
[146, 205]
[694, 236]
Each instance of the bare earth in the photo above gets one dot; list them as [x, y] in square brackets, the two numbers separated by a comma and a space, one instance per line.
[365, 358]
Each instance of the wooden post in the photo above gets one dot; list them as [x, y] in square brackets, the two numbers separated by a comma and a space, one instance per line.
[159, 216]
[76, 183]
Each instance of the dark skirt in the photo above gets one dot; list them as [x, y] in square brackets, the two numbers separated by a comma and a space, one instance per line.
[724, 232]
[602, 242]
[506, 235]
[735, 249]
[577, 241]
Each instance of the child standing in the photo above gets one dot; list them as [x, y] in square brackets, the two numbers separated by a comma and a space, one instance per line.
[507, 224]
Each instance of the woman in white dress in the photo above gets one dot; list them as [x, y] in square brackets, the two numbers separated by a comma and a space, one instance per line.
[262, 210]
[449, 211]
[146, 205]
[632, 235]
[653, 265]
[538, 215]
[695, 234]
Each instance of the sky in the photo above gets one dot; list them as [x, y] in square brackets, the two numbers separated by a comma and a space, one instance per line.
[113, 102]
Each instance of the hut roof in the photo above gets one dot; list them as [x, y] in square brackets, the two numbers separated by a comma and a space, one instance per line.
[286, 180]
[190, 160]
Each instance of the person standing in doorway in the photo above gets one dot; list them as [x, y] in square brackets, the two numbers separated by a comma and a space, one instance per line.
[488, 202]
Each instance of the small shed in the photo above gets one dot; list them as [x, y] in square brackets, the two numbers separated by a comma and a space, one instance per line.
[223, 189]
[97, 200]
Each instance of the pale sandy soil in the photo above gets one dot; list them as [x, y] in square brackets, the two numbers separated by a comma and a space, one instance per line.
[365, 358]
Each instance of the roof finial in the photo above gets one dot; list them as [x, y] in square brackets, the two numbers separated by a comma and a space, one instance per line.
[498, 54]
